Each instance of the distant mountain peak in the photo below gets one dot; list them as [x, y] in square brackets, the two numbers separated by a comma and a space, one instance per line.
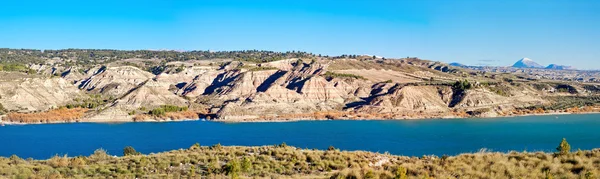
[559, 67]
[527, 63]
[456, 64]
[526, 59]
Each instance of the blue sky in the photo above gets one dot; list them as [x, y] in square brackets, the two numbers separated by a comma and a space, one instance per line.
[475, 32]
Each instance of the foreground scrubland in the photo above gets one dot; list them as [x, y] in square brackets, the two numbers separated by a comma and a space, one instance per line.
[282, 161]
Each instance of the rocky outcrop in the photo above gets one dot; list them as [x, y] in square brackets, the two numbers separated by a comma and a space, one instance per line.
[72, 74]
[317, 89]
[480, 98]
[114, 81]
[269, 93]
[110, 115]
[244, 110]
[352, 87]
[37, 94]
[199, 84]
[150, 94]
[245, 84]
[285, 65]
[277, 93]
[410, 98]
[188, 75]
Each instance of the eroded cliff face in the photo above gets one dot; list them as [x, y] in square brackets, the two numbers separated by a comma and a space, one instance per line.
[482, 98]
[113, 81]
[304, 90]
[29, 94]
[132, 89]
[196, 85]
[242, 84]
[275, 92]
[240, 91]
[150, 95]
[412, 98]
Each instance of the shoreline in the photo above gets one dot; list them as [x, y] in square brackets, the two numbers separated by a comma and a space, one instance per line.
[484, 150]
[3, 123]
[98, 122]
[400, 119]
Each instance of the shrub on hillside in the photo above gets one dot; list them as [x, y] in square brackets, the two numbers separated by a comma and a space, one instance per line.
[462, 85]
[330, 75]
[130, 151]
[15, 67]
[2, 110]
[262, 68]
[232, 168]
[564, 147]
[162, 110]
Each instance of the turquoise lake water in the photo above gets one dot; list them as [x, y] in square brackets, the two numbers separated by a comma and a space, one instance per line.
[407, 137]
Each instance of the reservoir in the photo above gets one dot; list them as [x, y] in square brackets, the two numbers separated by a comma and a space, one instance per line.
[400, 137]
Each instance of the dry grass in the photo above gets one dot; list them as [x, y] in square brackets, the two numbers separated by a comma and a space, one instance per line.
[55, 115]
[282, 161]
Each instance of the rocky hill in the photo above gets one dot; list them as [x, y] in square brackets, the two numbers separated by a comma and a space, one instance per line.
[311, 87]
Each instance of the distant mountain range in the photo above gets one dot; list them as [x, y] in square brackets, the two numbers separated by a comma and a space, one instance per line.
[559, 67]
[528, 63]
[457, 64]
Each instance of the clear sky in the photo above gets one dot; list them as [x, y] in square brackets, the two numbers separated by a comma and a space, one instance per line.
[474, 32]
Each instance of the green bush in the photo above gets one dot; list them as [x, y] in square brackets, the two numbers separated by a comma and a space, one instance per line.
[401, 173]
[93, 101]
[179, 69]
[246, 165]
[130, 151]
[157, 112]
[564, 147]
[462, 85]
[13, 67]
[3, 110]
[331, 75]
[261, 68]
[232, 168]
[162, 110]
[566, 102]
